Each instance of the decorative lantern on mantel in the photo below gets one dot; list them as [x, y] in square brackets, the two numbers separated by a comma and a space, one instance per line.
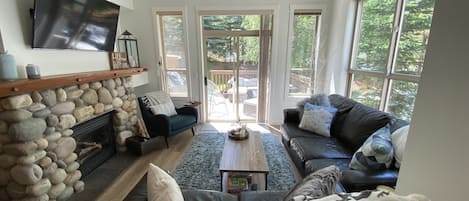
[128, 43]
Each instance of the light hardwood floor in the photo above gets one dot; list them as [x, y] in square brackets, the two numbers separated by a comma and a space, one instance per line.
[166, 158]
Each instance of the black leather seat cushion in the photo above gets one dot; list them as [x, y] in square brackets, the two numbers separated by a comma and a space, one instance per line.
[204, 195]
[356, 180]
[308, 148]
[317, 164]
[291, 130]
[360, 123]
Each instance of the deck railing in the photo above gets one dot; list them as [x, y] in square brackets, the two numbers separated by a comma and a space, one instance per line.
[221, 77]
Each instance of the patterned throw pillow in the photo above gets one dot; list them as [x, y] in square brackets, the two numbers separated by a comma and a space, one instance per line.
[159, 102]
[366, 195]
[317, 119]
[376, 153]
[316, 185]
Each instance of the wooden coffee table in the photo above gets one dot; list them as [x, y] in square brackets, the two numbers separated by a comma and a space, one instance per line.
[245, 156]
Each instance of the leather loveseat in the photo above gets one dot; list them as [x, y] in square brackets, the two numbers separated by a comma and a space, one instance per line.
[352, 125]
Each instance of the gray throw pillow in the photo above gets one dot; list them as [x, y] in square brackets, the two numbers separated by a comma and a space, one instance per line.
[316, 185]
[318, 99]
[317, 119]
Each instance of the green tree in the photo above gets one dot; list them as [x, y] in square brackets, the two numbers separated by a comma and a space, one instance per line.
[373, 52]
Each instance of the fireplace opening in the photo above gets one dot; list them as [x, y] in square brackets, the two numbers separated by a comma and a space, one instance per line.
[95, 142]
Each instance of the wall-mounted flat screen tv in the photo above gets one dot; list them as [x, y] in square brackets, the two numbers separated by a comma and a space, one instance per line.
[75, 24]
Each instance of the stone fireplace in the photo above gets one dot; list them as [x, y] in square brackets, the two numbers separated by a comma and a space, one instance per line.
[42, 131]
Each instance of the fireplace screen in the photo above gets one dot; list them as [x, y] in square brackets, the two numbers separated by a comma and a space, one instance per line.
[95, 142]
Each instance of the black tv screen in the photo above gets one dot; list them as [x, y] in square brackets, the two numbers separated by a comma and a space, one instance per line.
[75, 24]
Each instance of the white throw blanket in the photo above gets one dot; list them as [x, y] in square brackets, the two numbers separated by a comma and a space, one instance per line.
[366, 196]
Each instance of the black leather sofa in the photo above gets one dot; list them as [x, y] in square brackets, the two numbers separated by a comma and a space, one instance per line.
[352, 125]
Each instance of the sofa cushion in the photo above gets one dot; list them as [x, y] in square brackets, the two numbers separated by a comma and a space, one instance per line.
[317, 164]
[313, 148]
[357, 180]
[261, 196]
[376, 153]
[317, 119]
[317, 99]
[318, 184]
[343, 105]
[204, 195]
[360, 123]
[396, 123]
[291, 130]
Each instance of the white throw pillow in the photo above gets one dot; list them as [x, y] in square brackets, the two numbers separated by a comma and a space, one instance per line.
[399, 138]
[161, 186]
[159, 102]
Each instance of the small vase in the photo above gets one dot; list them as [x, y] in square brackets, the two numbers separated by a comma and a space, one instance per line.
[7, 67]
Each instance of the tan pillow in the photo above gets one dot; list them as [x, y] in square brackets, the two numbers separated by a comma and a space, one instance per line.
[161, 186]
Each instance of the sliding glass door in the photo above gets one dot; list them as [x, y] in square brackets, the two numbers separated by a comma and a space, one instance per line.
[233, 67]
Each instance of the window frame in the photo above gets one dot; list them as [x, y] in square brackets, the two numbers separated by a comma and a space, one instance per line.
[302, 10]
[388, 75]
[158, 16]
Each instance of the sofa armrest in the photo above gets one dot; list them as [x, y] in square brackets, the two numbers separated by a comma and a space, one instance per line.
[291, 115]
[357, 180]
[188, 111]
[158, 125]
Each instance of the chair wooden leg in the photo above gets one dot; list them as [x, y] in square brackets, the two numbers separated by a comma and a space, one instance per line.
[166, 140]
[193, 132]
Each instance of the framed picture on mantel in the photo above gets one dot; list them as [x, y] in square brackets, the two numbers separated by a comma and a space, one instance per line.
[118, 60]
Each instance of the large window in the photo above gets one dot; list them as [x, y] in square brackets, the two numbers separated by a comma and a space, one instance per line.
[173, 53]
[389, 48]
[303, 52]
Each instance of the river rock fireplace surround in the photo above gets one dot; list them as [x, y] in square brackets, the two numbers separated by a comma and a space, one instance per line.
[38, 147]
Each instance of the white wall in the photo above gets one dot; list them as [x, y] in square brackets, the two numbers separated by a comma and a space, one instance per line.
[335, 45]
[124, 3]
[436, 161]
[16, 28]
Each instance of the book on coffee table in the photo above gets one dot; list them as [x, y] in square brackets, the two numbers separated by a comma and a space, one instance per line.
[238, 182]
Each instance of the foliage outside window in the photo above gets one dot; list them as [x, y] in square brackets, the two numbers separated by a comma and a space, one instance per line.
[233, 40]
[303, 53]
[390, 44]
[173, 48]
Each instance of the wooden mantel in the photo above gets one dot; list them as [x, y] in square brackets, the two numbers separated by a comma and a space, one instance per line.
[10, 88]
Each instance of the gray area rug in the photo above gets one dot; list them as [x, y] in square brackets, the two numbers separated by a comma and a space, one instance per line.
[199, 167]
